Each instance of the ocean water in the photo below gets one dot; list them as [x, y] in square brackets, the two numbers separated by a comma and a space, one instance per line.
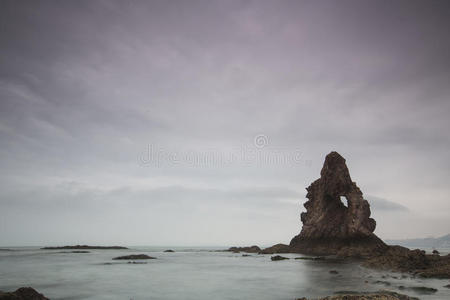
[191, 274]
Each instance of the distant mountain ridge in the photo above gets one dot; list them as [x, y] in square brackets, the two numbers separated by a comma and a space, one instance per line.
[431, 242]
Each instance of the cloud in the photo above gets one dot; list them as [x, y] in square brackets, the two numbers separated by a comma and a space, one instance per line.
[85, 88]
[381, 204]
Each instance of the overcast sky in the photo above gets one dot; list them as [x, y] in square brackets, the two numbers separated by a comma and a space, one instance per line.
[202, 122]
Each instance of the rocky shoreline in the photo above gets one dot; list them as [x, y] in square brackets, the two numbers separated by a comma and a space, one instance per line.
[382, 295]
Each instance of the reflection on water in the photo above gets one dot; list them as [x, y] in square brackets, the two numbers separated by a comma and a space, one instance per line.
[192, 274]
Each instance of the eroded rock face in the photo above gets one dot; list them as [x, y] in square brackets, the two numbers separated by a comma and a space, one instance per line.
[329, 226]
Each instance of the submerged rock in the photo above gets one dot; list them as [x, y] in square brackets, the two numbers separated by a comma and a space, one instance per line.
[329, 226]
[135, 256]
[278, 257]
[423, 290]
[75, 251]
[251, 249]
[383, 282]
[23, 293]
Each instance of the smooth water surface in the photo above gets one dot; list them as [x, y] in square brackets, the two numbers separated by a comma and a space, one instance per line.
[191, 274]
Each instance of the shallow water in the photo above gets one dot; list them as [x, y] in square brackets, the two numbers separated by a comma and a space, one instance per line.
[191, 274]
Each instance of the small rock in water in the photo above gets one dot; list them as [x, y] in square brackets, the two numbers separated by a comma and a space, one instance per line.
[135, 256]
[278, 257]
[169, 250]
[334, 272]
[23, 293]
[251, 249]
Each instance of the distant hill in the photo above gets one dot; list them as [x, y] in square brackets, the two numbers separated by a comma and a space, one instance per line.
[440, 242]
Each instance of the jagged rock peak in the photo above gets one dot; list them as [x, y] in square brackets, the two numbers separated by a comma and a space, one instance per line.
[327, 218]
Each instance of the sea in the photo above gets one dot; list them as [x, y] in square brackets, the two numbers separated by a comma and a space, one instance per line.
[195, 274]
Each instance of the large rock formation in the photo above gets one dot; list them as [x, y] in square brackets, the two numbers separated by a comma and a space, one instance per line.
[330, 226]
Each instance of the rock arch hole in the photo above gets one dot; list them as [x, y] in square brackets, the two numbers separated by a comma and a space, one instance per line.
[344, 201]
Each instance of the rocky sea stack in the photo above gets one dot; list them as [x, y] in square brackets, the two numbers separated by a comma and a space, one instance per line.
[329, 226]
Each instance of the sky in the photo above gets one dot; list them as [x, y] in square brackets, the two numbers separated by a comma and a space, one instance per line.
[202, 122]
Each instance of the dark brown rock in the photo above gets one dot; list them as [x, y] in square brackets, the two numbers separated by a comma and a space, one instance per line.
[278, 257]
[134, 256]
[329, 226]
[23, 293]
[278, 248]
[251, 249]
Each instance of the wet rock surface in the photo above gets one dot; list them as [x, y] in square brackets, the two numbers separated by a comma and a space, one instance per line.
[23, 293]
[423, 290]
